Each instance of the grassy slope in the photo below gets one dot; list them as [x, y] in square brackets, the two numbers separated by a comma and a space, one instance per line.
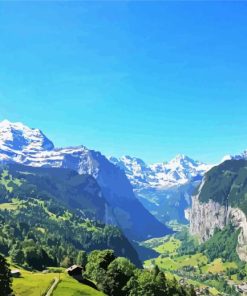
[37, 283]
[170, 246]
[70, 287]
[179, 262]
[218, 266]
[8, 181]
[9, 206]
[32, 284]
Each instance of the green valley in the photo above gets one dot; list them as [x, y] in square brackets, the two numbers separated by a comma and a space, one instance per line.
[182, 257]
[50, 219]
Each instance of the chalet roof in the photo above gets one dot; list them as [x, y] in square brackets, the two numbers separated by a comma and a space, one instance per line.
[15, 271]
[73, 267]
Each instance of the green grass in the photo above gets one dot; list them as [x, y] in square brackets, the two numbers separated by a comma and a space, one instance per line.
[214, 291]
[32, 284]
[170, 246]
[10, 206]
[218, 266]
[155, 242]
[193, 260]
[37, 283]
[41, 229]
[70, 287]
[7, 179]
[175, 263]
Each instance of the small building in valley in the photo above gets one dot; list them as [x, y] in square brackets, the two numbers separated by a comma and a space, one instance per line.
[15, 273]
[75, 270]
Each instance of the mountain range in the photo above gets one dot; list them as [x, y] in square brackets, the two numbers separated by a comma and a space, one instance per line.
[165, 189]
[30, 147]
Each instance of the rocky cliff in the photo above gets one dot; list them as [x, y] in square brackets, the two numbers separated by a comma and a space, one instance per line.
[213, 207]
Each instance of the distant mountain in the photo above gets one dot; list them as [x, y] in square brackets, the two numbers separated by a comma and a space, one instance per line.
[163, 188]
[21, 144]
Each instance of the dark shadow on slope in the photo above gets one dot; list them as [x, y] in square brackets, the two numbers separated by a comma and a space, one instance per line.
[144, 253]
[85, 281]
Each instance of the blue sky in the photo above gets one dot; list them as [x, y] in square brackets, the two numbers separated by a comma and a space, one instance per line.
[148, 79]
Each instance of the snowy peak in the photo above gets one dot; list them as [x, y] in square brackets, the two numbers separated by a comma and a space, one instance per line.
[183, 160]
[186, 167]
[180, 170]
[30, 146]
[24, 145]
[130, 164]
[18, 137]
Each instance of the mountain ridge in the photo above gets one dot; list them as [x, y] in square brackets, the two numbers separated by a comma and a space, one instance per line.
[178, 170]
[165, 188]
[115, 186]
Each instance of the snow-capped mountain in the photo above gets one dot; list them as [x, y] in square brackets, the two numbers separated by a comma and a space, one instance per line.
[164, 188]
[28, 146]
[178, 171]
[17, 138]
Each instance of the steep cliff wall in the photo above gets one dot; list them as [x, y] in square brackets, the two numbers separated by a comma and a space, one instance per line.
[238, 218]
[206, 217]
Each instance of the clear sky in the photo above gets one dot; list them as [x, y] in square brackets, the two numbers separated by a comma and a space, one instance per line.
[148, 79]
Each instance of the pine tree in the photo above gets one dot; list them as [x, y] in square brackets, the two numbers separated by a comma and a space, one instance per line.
[17, 254]
[81, 258]
[5, 278]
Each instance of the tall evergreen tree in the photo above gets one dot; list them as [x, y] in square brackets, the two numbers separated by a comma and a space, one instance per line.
[5, 278]
[81, 258]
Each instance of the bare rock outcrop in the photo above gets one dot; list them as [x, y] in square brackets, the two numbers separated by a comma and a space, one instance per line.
[206, 217]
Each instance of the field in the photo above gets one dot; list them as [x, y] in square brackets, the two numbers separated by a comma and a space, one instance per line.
[70, 287]
[37, 283]
[218, 266]
[177, 262]
[10, 206]
[169, 247]
[32, 284]
[195, 269]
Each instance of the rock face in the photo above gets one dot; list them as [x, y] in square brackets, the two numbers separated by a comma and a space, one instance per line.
[222, 199]
[165, 189]
[28, 146]
[206, 217]
[238, 218]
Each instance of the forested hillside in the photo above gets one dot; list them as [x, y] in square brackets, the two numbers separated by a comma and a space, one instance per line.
[48, 215]
[227, 184]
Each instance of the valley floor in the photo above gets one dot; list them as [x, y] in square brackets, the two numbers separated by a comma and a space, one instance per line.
[216, 278]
